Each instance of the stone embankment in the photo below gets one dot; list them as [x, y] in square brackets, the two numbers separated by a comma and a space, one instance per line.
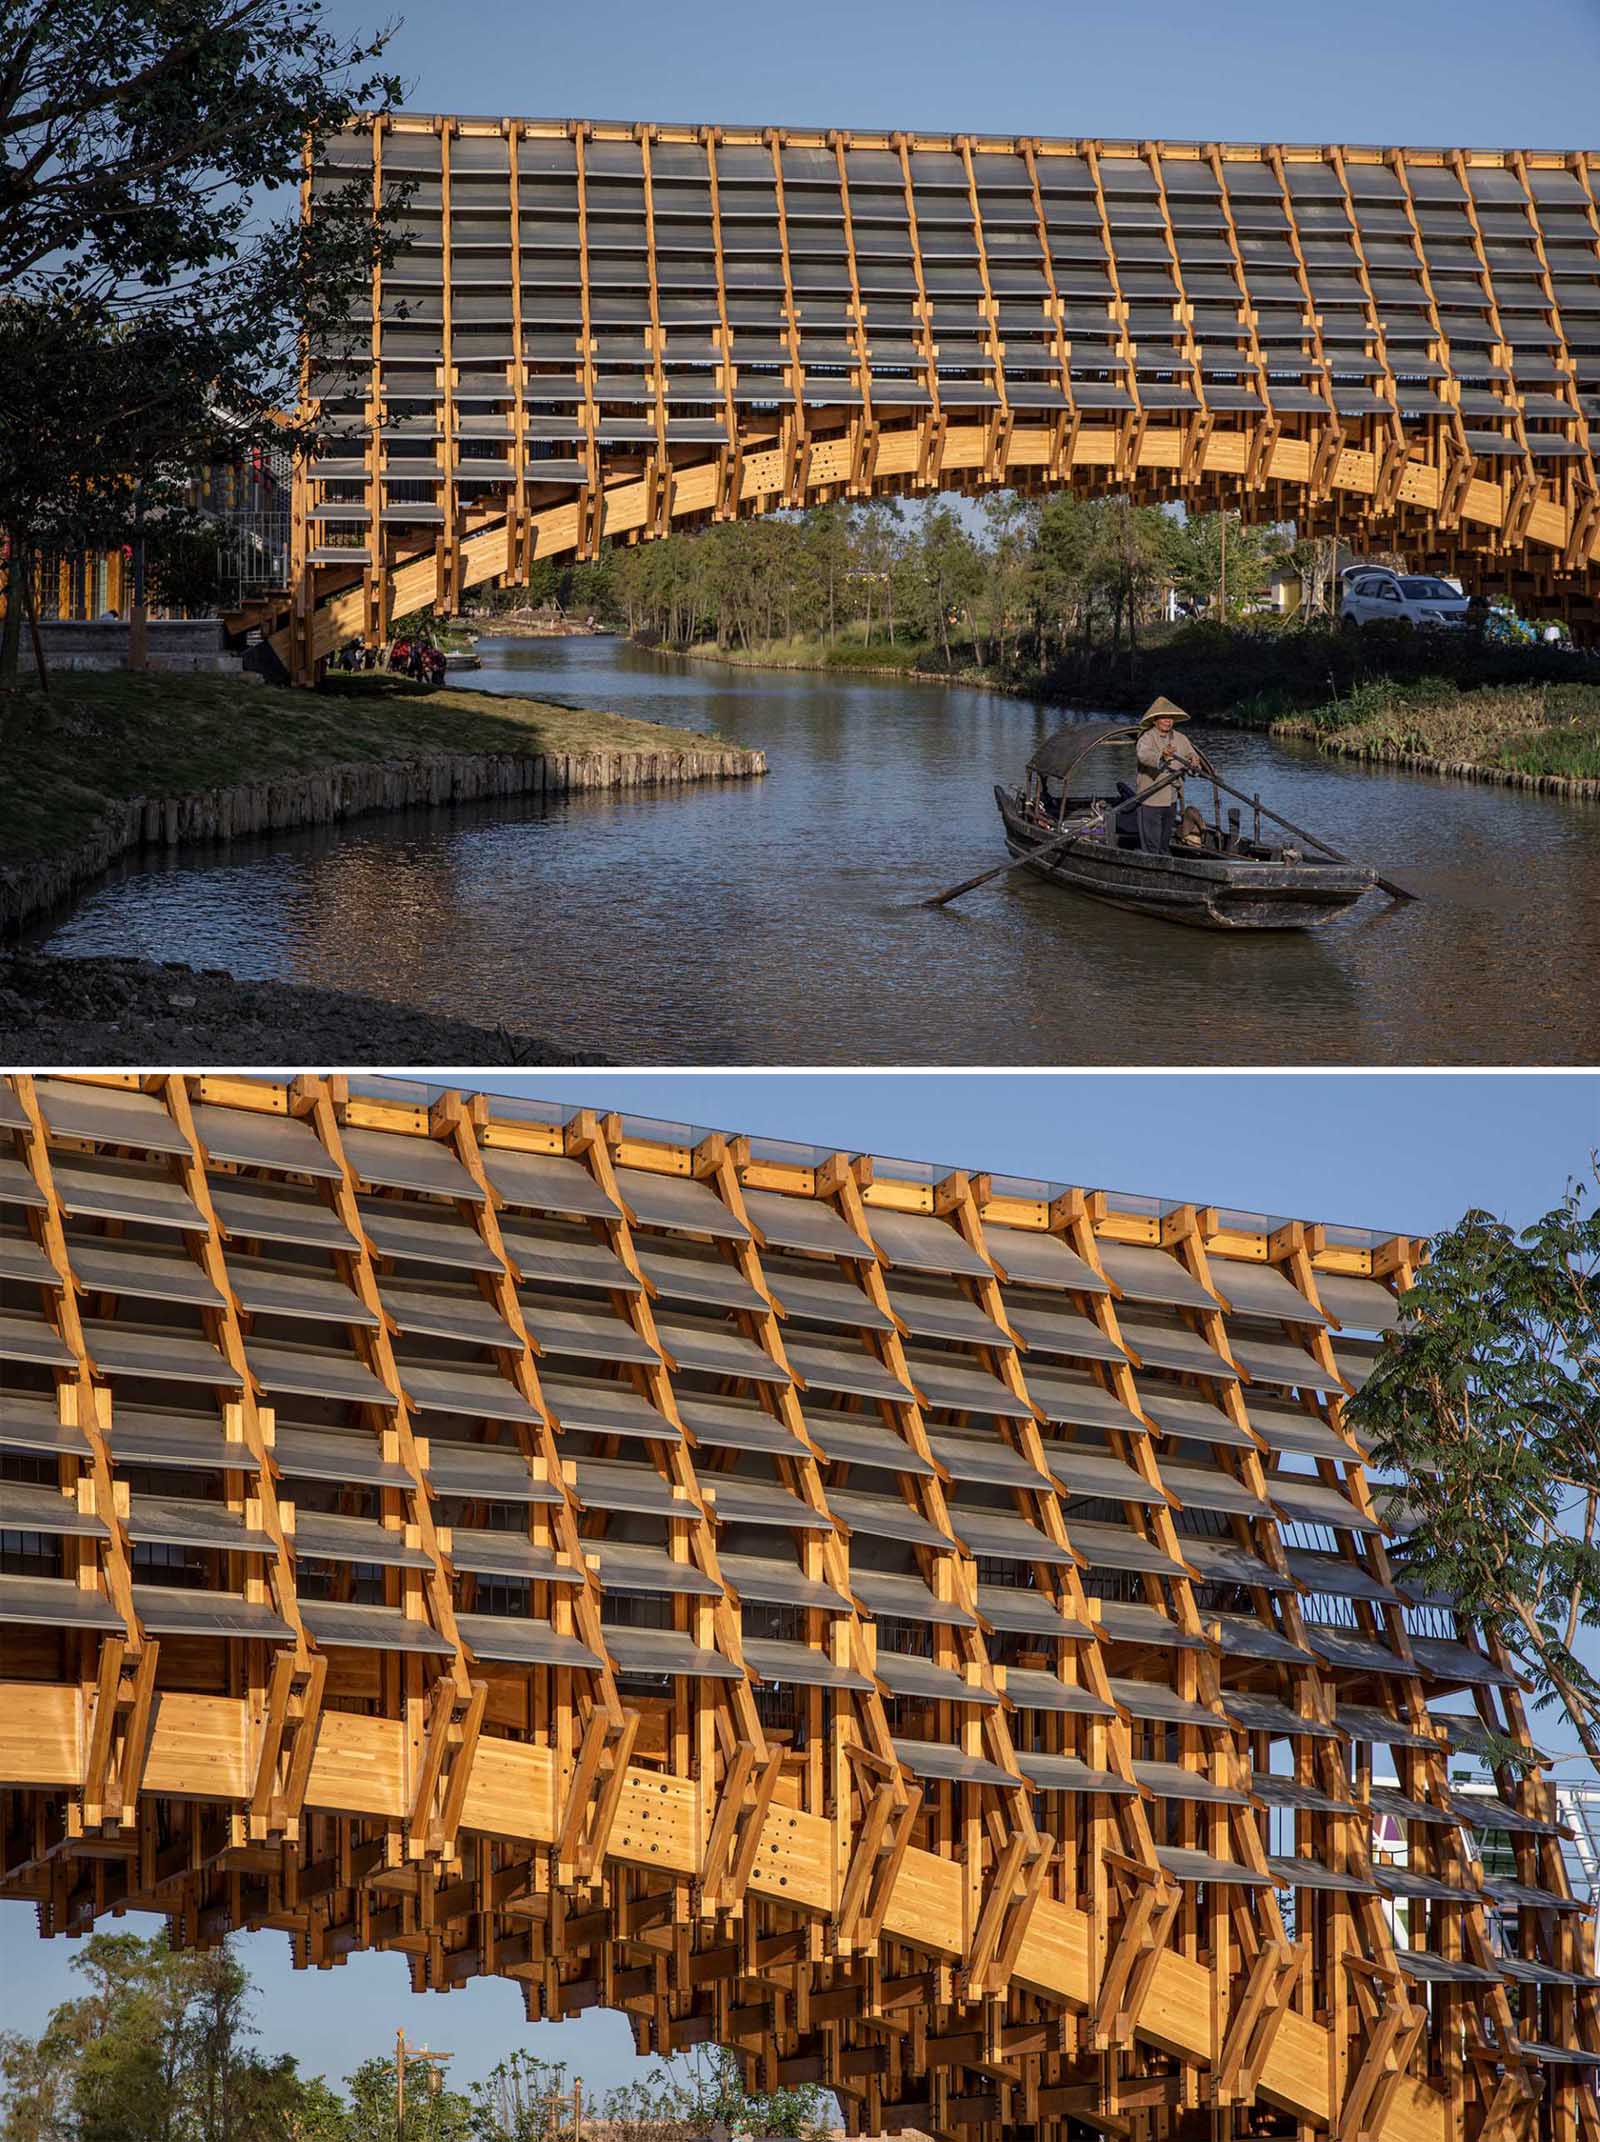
[349, 791]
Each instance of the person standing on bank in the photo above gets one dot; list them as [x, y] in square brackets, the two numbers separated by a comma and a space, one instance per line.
[1159, 750]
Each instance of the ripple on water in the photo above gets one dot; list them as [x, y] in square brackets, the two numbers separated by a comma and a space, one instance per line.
[779, 921]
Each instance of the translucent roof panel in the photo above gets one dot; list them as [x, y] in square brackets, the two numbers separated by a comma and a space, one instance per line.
[389, 1160]
[801, 1223]
[1261, 1290]
[546, 1182]
[678, 1202]
[922, 1243]
[1145, 1274]
[255, 1138]
[108, 1115]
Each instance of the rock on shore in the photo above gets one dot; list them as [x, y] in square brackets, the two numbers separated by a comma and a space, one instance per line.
[138, 1013]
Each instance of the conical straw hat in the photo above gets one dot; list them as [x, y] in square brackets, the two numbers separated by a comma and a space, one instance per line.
[1159, 709]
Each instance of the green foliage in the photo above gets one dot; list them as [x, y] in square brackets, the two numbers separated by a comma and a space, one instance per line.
[578, 589]
[1061, 596]
[1221, 565]
[369, 2113]
[182, 569]
[1036, 584]
[528, 2099]
[1265, 670]
[1527, 727]
[1486, 1404]
[154, 289]
[155, 2050]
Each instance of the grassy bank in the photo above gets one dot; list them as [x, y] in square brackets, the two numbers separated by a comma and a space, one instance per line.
[1253, 674]
[1260, 673]
[848, 653]
[97, 740]
[1540, 731]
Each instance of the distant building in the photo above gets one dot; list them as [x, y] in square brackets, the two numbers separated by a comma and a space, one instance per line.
[246, 502]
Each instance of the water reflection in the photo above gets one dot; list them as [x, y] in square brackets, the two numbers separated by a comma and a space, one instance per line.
[780, 922]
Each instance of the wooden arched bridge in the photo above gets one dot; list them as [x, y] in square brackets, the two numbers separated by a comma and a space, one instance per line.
[598, 331]
[933, 1633]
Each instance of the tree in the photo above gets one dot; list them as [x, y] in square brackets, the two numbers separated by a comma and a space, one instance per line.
[706, 2086]
[1066, 540]
[950, 571]
[156, 2050]
[679, 2100]
[1487, 1402]
[1129, 559]
[1012, 526]
[1202, 576]
[827, 542]
[514, 2101]
[433, 2112]
[876, 534]
[157, 279]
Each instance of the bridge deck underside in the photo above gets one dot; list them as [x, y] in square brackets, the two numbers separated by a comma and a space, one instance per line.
[595, 332]
[934, 1636]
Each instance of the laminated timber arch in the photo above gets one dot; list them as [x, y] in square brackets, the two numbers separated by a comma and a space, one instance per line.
[927, 1631]
[604, 332]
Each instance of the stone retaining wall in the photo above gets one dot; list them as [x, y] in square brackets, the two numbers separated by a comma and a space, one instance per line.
[175, 644]
[351, 791]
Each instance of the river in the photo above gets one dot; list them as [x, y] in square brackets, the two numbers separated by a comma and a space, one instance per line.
[778, 922]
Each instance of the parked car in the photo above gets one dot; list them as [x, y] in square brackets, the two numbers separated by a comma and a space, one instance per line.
[1380, 596]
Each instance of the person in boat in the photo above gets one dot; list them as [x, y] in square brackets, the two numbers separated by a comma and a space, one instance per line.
[1159, 751]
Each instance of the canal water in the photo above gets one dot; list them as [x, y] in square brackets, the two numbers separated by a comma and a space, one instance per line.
[778, 922]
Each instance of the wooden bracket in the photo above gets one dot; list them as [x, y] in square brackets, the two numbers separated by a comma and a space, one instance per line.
[1263, 440]
[1014, 1889]
[1148, 1913]
[117, 1732]
[1581, 536]
[1255, 2022]
[587, 1818]
[736, 1831]
[287, 1744]
[1391, 473]
[1506, 2116]
[880, 1848]
[1519, 508]
[1329, 448]
[1391, 2040]
[454, 1723]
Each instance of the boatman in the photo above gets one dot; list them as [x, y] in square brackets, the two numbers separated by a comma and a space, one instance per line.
[1160, 750]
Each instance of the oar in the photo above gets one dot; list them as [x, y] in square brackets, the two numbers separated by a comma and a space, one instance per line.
[1049, 847]
[1388, 885]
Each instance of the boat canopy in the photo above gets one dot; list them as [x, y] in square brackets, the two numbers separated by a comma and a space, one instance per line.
[1057, 756]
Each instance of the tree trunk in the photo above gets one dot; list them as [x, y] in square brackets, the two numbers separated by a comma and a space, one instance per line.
[11, 635]
[30, 597]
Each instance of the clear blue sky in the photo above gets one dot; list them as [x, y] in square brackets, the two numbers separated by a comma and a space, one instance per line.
[1383, 1150]
[1462, 72]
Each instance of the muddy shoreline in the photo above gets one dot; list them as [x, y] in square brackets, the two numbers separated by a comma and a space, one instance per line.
[120, 1013]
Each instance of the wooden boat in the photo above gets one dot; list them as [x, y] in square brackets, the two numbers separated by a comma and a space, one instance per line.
[1230, 881]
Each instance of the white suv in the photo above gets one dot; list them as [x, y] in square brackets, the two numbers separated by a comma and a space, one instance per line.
[1379, 595]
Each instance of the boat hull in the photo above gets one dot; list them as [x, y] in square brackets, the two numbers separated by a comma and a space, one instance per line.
[1203, 892]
